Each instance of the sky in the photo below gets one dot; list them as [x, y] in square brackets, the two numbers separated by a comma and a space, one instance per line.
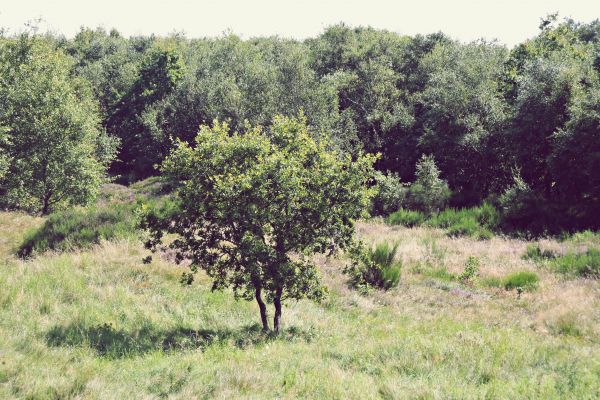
[508, 21]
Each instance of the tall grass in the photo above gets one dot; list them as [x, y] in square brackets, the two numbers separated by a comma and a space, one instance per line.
[476, 222]
[525, 280]
[80, 228]
[406, 218]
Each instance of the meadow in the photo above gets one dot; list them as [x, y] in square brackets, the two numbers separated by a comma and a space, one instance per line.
[98, 323]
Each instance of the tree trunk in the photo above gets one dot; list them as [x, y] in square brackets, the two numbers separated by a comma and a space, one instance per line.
[46, 203]
[277, 303]
[263, 309]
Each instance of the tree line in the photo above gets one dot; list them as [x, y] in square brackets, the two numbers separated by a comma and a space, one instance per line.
[519, 127]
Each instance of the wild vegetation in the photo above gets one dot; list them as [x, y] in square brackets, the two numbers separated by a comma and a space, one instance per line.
[439, 203]
[98, 323]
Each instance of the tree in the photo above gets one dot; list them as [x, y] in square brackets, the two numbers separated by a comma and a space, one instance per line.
[53, 150]
[252, 208]
[465, 117]
[160, 72]
[429, 192]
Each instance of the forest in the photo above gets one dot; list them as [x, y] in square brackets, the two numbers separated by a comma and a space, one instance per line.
[421, 215]
[518, 128]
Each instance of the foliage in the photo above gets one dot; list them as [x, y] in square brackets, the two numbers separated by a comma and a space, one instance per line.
[52, 150]
[253, 208]
[524, 280]
[374, 266]
[470, 227]
[520, 125]
[160, 71]
[464, 116]
[390, 196]
[406, 218]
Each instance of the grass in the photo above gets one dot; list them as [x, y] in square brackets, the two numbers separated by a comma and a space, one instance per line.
[99, 324]
[535, 253]
[475, 222]
[406, 218]
[586, 264]
[80, 228]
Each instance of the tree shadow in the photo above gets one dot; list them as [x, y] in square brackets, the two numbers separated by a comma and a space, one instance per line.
[118, 343]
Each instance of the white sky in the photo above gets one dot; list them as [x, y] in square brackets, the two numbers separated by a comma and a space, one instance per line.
[509, 21]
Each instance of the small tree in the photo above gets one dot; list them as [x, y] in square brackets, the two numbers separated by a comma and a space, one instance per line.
[252, 208]
[429, 192]
[52, 151]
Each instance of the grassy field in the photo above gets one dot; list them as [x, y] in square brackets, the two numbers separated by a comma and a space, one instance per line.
[99, 324]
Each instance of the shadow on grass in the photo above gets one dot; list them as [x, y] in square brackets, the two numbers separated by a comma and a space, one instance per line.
[116, 343]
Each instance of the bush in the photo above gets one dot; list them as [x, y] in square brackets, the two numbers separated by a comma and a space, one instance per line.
[579, 264]
[470, 271]
[79, 228]
[535, 253]
[487, 215]
[524, 210]
[390, 196]
[374, 267]
[406, 218]
[526, 280]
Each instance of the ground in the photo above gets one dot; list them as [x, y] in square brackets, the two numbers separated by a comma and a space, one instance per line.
[100, 324]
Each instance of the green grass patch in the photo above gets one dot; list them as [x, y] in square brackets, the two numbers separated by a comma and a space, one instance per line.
[406, 218]
[578, 264]
[101, 325]
[491, 282]
[80, 228]
[525, 280]
[535, 253]
[475, 222]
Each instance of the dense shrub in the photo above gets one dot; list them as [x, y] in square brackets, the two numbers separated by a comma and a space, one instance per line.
[579, 264]
[374, 267]
[79, 228]
[525, 280]
[390, 196]
[525, 210]
[406, 218]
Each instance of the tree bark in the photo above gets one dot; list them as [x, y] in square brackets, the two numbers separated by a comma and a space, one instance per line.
[277, 303]
[46, 203]
[263, 309]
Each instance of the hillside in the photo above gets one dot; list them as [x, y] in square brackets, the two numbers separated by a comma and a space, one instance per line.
[97, 323]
